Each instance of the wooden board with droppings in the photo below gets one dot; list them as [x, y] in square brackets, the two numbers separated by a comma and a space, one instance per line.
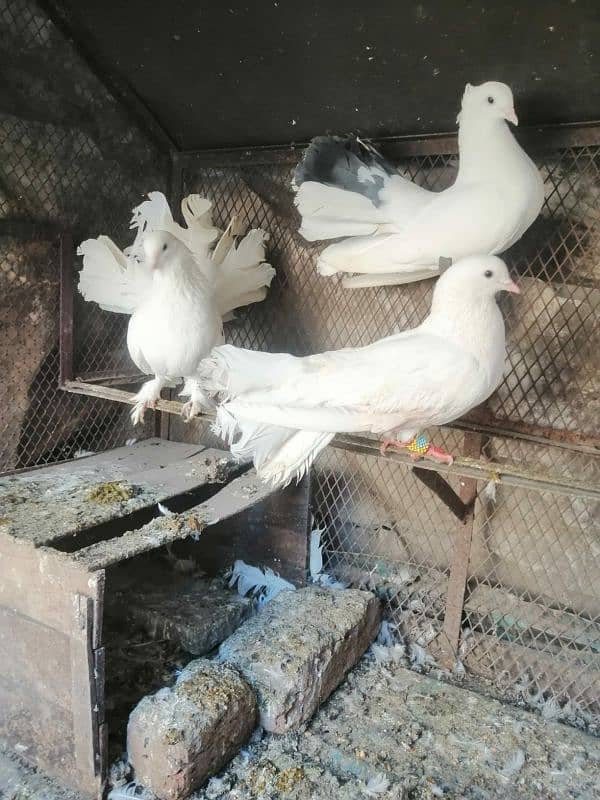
[46, 505]
[240, 494]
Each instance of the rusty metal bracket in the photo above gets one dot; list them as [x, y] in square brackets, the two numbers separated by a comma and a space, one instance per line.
[457, 582]
[441, 487]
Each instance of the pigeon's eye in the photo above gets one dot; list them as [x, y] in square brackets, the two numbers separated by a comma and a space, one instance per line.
[164, 247]
[490, 100]
[488, 273]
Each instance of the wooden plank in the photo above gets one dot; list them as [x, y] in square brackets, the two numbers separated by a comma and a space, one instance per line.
[47, 607]
[44, 507]
[240, 494]
[568, 674]
[121, 461]
[526, 622]
[37, 727]
[274, 533]
[83, 697]
[39, 582]
[35, 656]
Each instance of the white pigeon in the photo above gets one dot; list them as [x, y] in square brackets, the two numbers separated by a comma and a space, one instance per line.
[399, 231]
[282, 410]
[177, 291]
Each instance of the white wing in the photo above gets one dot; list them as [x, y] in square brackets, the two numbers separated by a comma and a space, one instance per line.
[109, 278]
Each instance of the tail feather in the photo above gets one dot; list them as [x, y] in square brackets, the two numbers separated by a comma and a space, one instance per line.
[109, 278]
[280, 455]
[232, 371]
[243, 275]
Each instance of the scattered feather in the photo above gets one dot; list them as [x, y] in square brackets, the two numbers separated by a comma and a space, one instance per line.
[489, 491]
[419, 657]
[316, 563]
[130, 790]
[514, 763]
[550, 709]
[263, 585]
[130, 442]
[385, 636]
[83, 453]
[165, 511]
[316, 553]
[376, 785]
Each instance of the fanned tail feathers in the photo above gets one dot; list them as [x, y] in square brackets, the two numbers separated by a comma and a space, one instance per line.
[243, 276]
[108, 277]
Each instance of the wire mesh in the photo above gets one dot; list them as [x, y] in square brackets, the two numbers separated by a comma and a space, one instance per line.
[70, 155]
[531, 630]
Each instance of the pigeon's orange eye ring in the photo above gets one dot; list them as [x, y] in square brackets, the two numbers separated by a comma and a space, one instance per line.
[490, 100]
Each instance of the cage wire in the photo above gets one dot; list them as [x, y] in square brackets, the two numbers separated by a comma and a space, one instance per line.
[71, 155]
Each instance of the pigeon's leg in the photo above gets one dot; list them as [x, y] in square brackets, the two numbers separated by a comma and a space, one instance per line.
[418, 447]
[199, 401]
[147, 397]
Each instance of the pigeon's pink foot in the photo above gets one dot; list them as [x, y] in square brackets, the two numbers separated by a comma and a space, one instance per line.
[438, 454]
[419, 447]
[139, 411]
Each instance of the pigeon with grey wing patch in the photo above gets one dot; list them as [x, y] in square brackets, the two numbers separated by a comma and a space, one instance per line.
[395, 231]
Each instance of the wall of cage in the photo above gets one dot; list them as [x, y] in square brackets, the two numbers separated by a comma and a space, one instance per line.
[73, 161]
[523, 564]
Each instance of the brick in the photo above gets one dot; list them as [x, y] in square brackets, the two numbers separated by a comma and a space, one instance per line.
[179, 737]
[299, 649]
[198, 615]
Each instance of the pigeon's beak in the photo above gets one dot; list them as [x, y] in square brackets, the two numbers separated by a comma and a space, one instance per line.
[512, 117]
[511, 286]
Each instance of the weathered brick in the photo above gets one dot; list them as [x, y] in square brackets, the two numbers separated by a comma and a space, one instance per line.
[299, 648]
[179, 737]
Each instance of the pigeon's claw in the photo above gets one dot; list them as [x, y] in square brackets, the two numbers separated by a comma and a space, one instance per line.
[147, 397]
[191, 409]
[198, 403]
[139, 411]
[438, 454]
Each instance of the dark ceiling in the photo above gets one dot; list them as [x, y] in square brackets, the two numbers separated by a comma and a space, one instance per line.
[233, 73]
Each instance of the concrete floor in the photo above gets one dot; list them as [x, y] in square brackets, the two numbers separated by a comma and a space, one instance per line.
[391, 733]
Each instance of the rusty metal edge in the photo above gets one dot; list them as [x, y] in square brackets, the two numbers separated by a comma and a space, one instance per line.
[540, 138]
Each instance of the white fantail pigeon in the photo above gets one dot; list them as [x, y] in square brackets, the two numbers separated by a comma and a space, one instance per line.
[178, 290]
[397, 231]
[281, 411]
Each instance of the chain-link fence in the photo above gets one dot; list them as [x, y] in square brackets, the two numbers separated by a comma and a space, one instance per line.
[72, 156]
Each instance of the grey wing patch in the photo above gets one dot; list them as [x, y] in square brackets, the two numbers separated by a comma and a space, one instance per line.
[345, 162]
